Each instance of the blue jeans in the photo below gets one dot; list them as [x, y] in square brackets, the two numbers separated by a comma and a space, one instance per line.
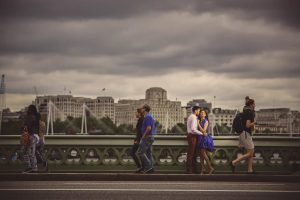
[134, 149]
[144, 152]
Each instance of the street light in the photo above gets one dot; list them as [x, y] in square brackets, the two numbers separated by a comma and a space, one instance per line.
[290, 123]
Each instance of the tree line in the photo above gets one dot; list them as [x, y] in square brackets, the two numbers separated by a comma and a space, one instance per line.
[103, 126]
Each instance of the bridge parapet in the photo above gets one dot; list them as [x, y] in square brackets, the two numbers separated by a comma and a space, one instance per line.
[110, 153]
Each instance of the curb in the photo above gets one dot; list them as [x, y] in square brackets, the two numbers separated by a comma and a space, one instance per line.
[147, 177]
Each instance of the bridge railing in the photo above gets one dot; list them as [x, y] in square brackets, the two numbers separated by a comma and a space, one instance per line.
[109, 153]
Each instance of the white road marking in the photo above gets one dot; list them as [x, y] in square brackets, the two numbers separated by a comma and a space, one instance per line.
[191, 183]
[148, 190]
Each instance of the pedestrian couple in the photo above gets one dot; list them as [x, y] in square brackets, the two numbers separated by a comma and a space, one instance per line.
[142, 147]
[198, 141]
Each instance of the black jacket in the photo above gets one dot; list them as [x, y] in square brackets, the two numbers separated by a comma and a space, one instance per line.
[32, 124]
[139, 129]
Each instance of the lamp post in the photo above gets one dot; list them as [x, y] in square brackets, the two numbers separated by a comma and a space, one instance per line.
[290, 117]
[50, 107]
[213, 117]
[83, 122]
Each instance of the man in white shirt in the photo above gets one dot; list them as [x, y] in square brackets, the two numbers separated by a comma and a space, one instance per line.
[192, 133]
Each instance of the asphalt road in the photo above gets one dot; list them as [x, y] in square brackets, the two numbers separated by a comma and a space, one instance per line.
[142, 190]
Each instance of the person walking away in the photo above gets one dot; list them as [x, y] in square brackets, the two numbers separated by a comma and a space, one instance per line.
[140, 119]
[192, 132]
[32, 125]
[144, 151]
[248, 109]
[245, 138]
[204, 143]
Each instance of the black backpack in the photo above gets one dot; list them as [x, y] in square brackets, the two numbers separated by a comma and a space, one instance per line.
[237, 124]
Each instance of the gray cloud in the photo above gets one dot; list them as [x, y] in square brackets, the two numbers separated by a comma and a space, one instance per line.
[87, 45]
[143, 46]
[285, 12]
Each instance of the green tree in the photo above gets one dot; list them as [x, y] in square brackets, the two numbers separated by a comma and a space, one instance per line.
[59, 126]
[125, 129]
[12, 127]
[222, 129]
[158, 127]
[179, 128]
[267, 130]
[107, 126]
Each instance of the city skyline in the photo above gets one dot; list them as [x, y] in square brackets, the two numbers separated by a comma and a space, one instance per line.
[183, 103]
[193, 49]
[169, 114]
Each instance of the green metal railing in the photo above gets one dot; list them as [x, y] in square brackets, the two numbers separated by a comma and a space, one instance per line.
[112, 153]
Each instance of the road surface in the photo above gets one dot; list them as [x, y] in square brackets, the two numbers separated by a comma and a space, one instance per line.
[144, 190]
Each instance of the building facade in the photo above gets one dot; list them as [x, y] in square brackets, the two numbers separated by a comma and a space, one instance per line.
[202, 103]
[223, 116]
[64, 106]
[277, 120]
[167, 113]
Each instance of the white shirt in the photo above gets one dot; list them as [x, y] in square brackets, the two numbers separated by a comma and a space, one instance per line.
[192, 125]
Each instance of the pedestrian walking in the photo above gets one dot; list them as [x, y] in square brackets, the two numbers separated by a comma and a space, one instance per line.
[144, 151]
[136, 143]
[31, 124]
[245, 137]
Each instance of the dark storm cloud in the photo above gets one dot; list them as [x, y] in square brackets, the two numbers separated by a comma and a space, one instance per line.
[282, 11]
[245, 39]
[81, 9]
[276, 11]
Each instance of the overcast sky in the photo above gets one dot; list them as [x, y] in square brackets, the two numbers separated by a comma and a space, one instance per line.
[193, 49]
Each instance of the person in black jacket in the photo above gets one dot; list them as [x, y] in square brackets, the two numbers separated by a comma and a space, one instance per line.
[137, 140]
[245, 138]
[32, 124]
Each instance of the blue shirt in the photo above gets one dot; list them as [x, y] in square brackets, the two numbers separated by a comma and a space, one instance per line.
[148, 121]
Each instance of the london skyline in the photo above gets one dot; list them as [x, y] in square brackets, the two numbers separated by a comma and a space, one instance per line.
[192, 49]
[183, 104]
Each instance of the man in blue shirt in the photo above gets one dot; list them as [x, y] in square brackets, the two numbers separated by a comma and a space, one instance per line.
[144, 151]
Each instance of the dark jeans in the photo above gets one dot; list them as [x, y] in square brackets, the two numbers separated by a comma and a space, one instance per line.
[134, 149]
[144, 152]
[29, 157]
[191, 153]
[39, 153]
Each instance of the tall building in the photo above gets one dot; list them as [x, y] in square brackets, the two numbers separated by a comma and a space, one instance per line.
[295, 128]
[223, 116]
[67, 105]
[7, 115]
[167, 113]
[277, 120]
[202, 103]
